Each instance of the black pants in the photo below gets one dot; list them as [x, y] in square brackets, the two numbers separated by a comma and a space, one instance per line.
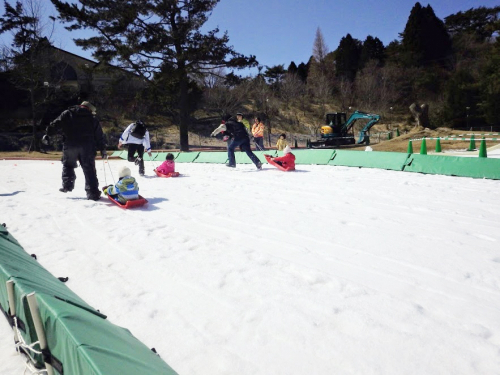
[259, 142]
[132, 149]
[244, 144]
[85, 154]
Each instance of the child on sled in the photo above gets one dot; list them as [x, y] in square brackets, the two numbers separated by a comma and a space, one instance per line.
[126, 189]
[168, 166]
[287, 161]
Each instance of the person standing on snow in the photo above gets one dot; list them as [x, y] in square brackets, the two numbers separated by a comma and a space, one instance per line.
[82, 137]
[258, 133]
[238, 135]
[136, 136]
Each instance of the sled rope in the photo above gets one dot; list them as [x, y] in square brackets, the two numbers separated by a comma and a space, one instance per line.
[256, 144]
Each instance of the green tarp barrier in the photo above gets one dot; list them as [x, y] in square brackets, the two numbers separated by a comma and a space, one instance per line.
[370, 159]
[211, 157]
[260, 155]
[186, 157]
[454, 166]
[117, 153]
[78, 336]
[242, 157]
[320, 157]
[160, 156]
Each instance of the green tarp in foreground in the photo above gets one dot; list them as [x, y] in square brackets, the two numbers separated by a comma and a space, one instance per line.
[80, 338]
[454, 166]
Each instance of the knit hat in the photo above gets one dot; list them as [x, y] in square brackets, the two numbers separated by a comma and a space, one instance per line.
[287, 150]
[92, 108]
[124, 171]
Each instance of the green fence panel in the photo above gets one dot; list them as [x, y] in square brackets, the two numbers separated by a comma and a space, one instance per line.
[78, 335]
[260, 154]
[321, 157]
[117, 153]
[186, 157]
[160, 156]
[454, 166]
[211, 157]
[370, 159]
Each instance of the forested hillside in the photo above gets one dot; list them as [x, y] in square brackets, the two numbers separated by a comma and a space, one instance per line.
[448, 69]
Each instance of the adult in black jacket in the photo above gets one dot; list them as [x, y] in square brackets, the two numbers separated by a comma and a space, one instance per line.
[238, 136]
[82, 137]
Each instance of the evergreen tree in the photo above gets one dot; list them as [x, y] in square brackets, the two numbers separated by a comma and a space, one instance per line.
[274, 74]
[425, 40]
[372, 49]
[292, 68]
[490, 85]
[303, 71]
[476, 21]
[152, 37]
[347, 58]
[27, 56]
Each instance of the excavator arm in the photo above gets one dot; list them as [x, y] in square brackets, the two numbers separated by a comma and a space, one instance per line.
[361, 115]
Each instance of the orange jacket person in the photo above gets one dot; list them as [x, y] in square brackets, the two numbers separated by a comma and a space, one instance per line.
[258, 133]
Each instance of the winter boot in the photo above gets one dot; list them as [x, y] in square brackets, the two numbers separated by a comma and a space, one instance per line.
[95, 196]
[259, 165]
[230, 165]
[66, 188]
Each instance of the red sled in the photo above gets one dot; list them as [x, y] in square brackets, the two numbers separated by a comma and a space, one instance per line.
[130, 204]
[171, 174]
[280, 167]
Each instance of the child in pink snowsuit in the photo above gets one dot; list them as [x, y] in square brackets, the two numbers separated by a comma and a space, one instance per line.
[168, 166]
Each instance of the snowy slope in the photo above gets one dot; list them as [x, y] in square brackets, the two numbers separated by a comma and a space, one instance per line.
[326, 270]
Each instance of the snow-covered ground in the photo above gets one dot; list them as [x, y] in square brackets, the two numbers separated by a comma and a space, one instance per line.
[326, 270]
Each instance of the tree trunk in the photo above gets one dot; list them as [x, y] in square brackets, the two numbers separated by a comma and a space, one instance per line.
[184, 114]
[34, 142]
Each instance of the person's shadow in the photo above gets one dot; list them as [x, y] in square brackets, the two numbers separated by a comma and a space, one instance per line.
[11, 194]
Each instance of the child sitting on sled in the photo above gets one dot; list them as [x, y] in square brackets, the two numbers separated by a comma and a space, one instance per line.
[126, 189]
[168, 166]
[287, 161]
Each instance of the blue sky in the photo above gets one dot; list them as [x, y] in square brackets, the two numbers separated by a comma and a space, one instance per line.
[281, 31]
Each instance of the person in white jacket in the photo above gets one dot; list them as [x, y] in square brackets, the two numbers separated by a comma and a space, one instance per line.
[136, 136]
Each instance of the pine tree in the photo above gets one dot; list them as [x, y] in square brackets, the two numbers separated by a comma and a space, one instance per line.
[425, 40]
[155, 38]
[347, 58]
[372, 49]
[475, 21]
[292, 68]
[303, 71]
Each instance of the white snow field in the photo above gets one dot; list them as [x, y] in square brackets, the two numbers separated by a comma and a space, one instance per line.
[326, 270]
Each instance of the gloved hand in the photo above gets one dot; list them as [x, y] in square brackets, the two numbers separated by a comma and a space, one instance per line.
[104, 154]
[105, 189]
[46, 140]
[225, 138]
[150, 153]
